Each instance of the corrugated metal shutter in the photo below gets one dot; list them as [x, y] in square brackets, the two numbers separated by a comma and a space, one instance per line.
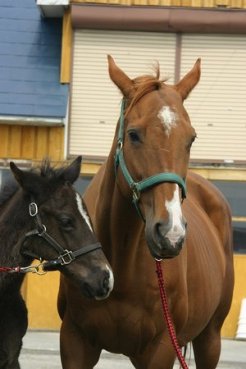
[217, 107]
[95, 102]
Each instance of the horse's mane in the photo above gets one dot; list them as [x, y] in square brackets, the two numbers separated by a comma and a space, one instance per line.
[144, 85]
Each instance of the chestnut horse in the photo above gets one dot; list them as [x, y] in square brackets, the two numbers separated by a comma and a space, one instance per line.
[147, 169]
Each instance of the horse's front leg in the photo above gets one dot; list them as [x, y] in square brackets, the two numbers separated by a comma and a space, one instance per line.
[76, 352]
[207, 348]
[13, 326]
[158, 355]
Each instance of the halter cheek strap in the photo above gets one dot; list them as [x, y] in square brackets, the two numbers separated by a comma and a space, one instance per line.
[138, 187]
[65, 256]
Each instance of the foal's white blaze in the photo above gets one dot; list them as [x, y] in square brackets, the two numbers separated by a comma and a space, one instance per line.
[87, 219]
[83, 211]
[173, 207]
[168, 118]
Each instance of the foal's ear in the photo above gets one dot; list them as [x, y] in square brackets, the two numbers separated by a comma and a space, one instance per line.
[28, 181]
[190, 80]
[72, 172]
[120, 79]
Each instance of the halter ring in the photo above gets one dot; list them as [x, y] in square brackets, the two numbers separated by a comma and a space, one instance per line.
[33, 209]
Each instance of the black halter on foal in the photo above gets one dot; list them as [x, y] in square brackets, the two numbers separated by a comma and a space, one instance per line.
[65, 256]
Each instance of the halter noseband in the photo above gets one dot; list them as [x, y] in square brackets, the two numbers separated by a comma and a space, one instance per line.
[138, 187]
[65, 256]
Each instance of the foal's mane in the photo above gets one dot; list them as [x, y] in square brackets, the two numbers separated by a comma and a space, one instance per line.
[144, 85]
[48, 171]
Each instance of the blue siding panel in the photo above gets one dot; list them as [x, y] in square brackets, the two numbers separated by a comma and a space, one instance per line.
[30, 52]
[20, 48]
[29, 75]
[37, 88]
[27, 61]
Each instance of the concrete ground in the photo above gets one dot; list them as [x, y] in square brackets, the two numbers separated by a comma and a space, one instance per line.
[41, 350]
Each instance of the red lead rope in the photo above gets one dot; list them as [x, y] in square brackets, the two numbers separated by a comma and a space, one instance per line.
[10, 270]
[167, 317]
[37, 269]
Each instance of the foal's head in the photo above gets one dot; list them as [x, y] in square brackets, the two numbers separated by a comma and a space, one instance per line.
[57, 228]
[156, 139]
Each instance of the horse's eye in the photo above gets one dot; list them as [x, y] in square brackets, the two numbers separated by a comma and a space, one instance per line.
[191, 142]
[66, 222]
[133, 135]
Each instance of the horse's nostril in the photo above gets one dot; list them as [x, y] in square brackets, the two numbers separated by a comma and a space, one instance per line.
[161, 229]
[106, 281]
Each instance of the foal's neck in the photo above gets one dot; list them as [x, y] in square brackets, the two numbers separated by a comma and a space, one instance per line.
[13, 225]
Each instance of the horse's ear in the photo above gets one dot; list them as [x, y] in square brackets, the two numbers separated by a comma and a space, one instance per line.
[120, 79]
[72, 172]
[190, 80]
[28, 181]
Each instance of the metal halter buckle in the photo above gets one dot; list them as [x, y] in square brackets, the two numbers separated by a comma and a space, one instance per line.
[66, 258]
[135, 192]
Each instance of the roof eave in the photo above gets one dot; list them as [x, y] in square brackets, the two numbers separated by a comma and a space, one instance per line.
[52, 8]
[32, 121]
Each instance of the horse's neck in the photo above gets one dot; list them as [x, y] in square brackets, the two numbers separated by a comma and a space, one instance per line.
[118, 224]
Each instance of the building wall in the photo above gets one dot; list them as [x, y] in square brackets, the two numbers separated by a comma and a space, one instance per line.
[230, 325]
[30, 50]
[31, 143]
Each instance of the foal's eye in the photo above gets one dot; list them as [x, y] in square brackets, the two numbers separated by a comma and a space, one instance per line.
[66, 222]
[133, 135]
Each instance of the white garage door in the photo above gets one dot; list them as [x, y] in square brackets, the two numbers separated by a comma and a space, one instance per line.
[95, 101]
[217, 107]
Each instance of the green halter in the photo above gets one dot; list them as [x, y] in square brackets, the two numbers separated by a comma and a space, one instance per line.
[138, 187]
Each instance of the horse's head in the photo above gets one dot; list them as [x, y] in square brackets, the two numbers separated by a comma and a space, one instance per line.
[152, 145]
[59, 229]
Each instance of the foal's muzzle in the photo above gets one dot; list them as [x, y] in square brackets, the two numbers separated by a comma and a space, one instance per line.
[98, 288]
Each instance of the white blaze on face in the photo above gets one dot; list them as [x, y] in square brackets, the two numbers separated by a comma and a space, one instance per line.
[83, 211]
[168, 118]
[87, 219]
[173, 207]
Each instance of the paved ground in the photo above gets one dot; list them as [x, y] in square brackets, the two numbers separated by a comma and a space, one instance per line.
[41, 350]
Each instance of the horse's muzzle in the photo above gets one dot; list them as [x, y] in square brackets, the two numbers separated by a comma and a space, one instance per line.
[164, 240]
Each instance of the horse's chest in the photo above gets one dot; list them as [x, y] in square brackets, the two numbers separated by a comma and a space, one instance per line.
[120, 329]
